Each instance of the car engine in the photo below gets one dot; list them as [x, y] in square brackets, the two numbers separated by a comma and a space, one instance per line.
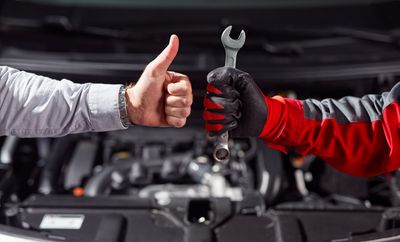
[144, 184]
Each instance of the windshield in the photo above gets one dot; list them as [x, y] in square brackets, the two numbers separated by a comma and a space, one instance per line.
[205, 3]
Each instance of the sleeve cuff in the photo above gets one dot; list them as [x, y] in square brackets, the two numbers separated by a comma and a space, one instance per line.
[284, 123]
[123, 112]
[104, 101]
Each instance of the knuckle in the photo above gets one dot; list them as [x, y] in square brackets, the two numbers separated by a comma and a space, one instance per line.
[180, 123]
[211, 75]
[176, 122]
[170, 88]
[187, 83]
[185, 88]
[185, 101]
[185, 112]
[179, 101]
[170, 100]
[185, 78]
[151, 71]
[188, 111]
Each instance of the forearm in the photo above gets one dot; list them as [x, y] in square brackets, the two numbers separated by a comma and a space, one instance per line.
[36, 106]
[359, 136]
[355, 135]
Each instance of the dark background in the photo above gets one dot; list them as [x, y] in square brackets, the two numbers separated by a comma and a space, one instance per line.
[323, 51]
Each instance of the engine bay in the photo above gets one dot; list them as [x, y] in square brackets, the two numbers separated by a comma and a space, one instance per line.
[147, 184]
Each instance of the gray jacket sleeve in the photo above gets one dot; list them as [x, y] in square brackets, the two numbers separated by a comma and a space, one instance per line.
[37, 106]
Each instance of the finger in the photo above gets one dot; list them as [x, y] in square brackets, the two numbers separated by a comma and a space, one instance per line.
[177, 76]
[221, 105]
[217, 133]
[218, 129]
[177, 112]
[173, 77]
[225, 91]
[176, 122]
[178, 101]
[207, 116]
[223, 76]
[217, 118]
[208, 104]
[180, 88]
[212, 89]
[161, 63]
[214, 127]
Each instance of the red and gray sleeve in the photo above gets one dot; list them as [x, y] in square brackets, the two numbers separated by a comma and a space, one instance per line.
[359, 136]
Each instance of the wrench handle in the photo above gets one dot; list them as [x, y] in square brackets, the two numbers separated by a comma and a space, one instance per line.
[230, 57]
[221, 151]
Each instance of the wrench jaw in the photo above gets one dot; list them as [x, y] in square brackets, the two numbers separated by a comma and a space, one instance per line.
[230, 43]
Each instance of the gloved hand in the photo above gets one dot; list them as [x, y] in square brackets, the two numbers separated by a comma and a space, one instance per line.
[234, 103]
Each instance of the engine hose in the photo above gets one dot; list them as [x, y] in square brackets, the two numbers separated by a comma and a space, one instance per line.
[53, 165]
[100, 182]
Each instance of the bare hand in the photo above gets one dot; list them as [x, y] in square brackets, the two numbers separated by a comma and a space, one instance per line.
[160, 97]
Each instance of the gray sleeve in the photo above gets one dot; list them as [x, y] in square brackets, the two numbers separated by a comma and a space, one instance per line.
[368, 108]
[37, 106]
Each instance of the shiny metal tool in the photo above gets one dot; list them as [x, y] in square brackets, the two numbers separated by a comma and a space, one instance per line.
[232, 47]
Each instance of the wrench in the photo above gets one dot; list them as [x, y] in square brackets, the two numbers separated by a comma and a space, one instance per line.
[232, 46]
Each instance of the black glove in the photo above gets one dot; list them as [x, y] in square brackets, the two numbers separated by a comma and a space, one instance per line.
[234, 103]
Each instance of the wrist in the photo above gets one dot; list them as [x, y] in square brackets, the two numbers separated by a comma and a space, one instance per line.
[123, 113]
[132, 106]
[284, 120]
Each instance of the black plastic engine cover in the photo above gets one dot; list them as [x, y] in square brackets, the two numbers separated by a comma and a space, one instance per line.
[141, 220]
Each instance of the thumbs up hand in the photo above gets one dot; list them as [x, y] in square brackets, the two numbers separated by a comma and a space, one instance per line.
[160, 97]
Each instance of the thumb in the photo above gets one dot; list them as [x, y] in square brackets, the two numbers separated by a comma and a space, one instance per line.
[162, 62]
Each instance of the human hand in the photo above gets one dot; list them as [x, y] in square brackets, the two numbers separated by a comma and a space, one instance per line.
[160, 98]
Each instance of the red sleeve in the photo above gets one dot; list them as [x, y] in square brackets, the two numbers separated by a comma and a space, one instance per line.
[359, 136]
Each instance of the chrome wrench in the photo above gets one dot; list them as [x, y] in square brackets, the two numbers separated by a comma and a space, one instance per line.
[232, 47]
